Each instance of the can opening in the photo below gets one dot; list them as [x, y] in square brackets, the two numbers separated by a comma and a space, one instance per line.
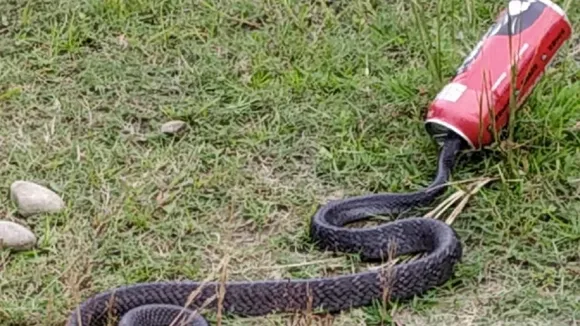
[439, 131]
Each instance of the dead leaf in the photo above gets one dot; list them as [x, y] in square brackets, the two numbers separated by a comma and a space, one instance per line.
[161, 198]
[122, 40]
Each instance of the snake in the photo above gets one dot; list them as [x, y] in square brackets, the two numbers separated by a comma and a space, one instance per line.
[165, 303]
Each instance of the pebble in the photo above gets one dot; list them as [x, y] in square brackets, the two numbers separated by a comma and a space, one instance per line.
[172, 127]
[31, 198]
[15, 236]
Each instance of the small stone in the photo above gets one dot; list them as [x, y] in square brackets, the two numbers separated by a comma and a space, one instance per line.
[15, 236]
[172, 127]
[31, 198]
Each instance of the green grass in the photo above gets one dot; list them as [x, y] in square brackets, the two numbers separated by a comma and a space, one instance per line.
[288, 103]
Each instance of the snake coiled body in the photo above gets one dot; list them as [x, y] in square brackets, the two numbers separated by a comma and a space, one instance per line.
[158, 303]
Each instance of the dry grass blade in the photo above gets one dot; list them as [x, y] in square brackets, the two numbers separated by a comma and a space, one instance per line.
[474, 188]
[222, 288]
[448, 202]
[221, 267]
[438, 211]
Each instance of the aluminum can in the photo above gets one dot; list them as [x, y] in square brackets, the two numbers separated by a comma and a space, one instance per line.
[522, 42]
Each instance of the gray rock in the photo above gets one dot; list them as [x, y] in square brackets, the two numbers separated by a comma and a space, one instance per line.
[15, 236]
[173, 127]
[31, 198]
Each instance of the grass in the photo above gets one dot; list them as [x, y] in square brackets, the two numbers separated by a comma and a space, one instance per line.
[288, 103]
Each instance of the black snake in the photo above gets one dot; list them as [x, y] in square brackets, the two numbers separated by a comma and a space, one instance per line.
[158, 303]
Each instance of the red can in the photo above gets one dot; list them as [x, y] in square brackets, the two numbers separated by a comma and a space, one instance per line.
[477, 100]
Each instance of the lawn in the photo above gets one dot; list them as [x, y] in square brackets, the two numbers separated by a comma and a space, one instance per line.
[287, 105]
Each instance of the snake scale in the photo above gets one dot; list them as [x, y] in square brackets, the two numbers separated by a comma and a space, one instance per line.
[159, 303]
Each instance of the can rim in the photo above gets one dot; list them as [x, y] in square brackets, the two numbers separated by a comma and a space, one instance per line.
[557, 9]
[448, 126]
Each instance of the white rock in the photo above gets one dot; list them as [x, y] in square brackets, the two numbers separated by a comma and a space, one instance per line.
[31, 198]
[172, 127]
[15, 236]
